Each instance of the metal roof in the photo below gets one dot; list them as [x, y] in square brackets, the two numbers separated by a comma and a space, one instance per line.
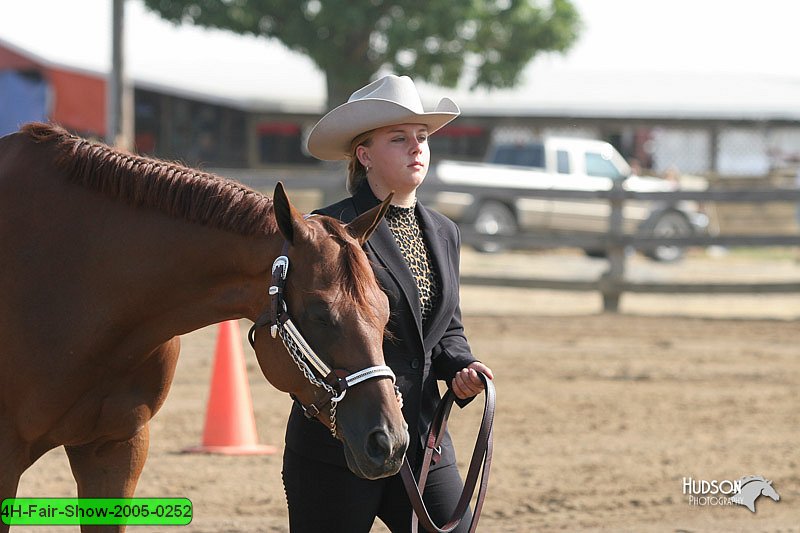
[263, 75]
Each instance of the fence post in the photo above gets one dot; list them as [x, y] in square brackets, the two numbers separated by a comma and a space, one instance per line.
[611, 280]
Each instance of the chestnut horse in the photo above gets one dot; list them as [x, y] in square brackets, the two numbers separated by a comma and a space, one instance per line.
[106, 258]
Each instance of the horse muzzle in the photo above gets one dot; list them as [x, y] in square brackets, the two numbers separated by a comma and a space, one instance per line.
[379, 453]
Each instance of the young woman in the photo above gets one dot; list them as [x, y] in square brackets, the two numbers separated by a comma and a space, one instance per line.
[383, 131]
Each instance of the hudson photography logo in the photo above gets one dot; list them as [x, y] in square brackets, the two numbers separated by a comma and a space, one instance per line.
[743, 491]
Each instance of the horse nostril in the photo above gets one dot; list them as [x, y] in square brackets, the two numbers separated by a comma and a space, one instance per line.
[379, 446]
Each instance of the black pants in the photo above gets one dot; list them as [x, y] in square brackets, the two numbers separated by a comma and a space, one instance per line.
[325, 497]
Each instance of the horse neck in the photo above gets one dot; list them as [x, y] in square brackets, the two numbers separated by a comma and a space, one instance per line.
[752, 489]
[163, 276]
[216, 275]
[119, 271]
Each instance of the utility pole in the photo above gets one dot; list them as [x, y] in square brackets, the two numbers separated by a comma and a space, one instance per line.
[119, 119]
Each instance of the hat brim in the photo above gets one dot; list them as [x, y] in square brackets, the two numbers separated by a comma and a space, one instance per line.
[330, 138]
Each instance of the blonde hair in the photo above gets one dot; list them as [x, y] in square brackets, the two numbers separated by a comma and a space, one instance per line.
[356, 173]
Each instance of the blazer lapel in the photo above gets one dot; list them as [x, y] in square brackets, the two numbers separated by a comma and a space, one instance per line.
[385, 249]
[438, 242]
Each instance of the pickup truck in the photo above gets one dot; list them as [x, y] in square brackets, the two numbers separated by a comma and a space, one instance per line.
[557, 163]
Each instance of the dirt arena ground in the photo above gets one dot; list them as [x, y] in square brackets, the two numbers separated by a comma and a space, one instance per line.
[600, 417]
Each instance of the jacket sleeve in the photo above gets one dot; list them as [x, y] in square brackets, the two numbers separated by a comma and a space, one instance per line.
[453, 352]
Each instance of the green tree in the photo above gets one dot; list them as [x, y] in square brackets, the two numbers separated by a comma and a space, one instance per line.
[487, 42]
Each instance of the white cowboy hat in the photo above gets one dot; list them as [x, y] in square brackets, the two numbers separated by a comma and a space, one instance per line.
[387, 101]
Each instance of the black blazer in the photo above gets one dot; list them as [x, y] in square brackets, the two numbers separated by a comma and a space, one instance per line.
[418, 355]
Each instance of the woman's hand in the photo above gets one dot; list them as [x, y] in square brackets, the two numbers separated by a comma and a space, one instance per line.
[467, 384]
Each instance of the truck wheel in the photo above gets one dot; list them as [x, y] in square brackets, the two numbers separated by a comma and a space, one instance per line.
[669, 224]
[494, 218]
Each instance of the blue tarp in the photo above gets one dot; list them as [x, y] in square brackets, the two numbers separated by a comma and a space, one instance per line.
[22, 99]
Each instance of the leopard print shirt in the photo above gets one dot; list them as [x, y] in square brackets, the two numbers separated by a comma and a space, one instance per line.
[407, 233]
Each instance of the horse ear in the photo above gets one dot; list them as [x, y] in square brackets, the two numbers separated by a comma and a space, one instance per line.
[290, 221]
[362, 227]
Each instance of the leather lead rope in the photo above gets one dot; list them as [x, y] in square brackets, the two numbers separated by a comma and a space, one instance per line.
[479, 464]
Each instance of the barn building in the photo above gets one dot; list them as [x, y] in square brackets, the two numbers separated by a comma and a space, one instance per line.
[732, 125]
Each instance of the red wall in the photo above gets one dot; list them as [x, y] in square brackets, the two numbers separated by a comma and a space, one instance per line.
[79, 101]
[12, 60]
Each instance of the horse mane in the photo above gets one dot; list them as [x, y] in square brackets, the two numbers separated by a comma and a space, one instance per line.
[747, 479]
[172, 188]
[355, 273]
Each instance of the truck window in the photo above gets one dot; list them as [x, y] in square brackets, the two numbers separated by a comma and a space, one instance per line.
[520, 155]
[597, 165]
[562, 162]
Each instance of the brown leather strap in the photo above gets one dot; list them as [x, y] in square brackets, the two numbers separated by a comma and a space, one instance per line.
[480, 463]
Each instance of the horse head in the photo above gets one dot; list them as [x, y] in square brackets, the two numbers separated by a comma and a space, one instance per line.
[751, 488]
[768, 490]
[340, 311]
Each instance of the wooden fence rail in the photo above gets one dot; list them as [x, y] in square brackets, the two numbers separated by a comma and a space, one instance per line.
[612, 284]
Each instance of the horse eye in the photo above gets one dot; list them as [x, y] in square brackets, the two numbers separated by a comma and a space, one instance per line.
[320, 314]
[322, 320]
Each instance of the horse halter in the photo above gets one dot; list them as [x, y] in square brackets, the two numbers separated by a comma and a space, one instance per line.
[334, 382]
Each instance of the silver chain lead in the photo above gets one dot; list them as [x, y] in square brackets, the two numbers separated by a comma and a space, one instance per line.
[298, 359]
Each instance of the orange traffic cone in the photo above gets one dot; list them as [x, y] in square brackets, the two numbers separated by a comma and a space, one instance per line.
[230, 424]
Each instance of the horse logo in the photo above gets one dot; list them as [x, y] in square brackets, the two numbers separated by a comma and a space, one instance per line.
[751, 488]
